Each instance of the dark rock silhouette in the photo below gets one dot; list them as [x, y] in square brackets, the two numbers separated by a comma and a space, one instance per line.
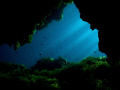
[19, 21]
[103, 16]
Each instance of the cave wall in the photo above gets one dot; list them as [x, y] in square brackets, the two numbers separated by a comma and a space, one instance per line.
[103, 17]
[20, 20]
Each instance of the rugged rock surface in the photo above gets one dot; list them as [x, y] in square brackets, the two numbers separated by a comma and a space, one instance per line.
[103, 16]
[20, 20]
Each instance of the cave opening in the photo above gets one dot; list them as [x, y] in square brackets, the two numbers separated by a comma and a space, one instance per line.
[70, 38]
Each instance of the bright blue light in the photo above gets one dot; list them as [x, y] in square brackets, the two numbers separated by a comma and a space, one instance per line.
[70, 38]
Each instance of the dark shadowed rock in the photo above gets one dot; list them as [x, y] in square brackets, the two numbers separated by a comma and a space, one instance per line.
[103, 16]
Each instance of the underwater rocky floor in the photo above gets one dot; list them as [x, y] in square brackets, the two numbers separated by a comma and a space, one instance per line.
[59, 74]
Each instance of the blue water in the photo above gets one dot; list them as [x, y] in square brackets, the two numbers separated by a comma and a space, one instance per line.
[70, 38]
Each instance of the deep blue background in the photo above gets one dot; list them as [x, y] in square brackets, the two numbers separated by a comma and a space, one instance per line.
[70, 38]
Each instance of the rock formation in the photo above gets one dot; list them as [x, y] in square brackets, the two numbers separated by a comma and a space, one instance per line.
[103, 16]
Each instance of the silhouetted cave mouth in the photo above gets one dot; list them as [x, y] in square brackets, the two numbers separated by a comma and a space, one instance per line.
[102, 16]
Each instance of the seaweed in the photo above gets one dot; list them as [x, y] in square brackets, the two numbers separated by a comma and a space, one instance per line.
[90, 73]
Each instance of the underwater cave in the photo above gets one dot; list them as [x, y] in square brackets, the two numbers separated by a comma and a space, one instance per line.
[70, 38]
[69, 46]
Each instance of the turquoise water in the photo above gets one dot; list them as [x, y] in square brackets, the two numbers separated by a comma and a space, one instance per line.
[70, 38]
